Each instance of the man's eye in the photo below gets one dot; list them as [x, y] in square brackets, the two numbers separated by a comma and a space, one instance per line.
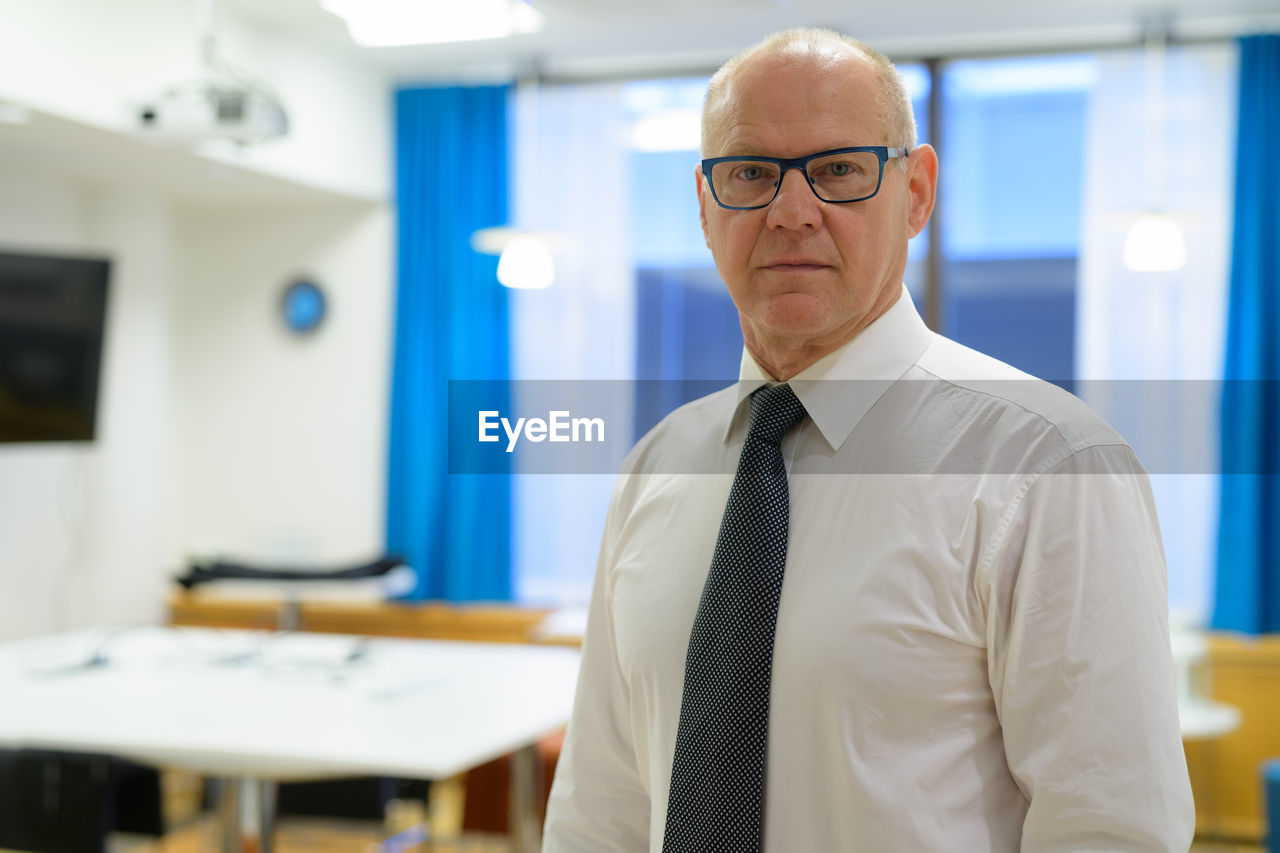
[839, 169]
[750, 173]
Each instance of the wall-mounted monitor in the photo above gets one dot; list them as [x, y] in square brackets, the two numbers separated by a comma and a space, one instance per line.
[52, 318]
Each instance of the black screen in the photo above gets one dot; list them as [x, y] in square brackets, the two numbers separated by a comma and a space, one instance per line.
[52, 312]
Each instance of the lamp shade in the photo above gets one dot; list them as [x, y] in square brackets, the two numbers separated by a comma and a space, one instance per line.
[1154, 244]
[526, 263]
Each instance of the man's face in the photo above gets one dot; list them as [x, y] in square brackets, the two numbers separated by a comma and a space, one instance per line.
[804, 273]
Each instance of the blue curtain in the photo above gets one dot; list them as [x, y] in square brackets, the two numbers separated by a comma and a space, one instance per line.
[1248, 575]
[450, 324]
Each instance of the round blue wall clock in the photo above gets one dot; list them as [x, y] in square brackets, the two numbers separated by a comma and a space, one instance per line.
[303, 307]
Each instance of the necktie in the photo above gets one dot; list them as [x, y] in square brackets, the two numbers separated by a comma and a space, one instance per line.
[716, 802]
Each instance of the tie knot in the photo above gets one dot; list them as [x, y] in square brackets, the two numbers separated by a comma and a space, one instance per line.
[774, 411]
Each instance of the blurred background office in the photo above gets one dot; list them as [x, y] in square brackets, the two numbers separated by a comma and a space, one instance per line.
[302, 214]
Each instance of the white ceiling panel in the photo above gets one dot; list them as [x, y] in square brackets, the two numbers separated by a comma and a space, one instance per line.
[604, 37]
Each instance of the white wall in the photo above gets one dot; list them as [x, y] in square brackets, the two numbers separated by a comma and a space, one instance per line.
[86, 529]
[285, 436]
[216, 429]
[128, 503]
[40, 485]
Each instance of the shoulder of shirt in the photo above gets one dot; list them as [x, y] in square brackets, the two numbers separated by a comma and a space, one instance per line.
[1078, 426]
[676, 442]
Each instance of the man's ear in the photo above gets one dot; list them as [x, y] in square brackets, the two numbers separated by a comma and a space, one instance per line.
[922, 186]
[702, 202]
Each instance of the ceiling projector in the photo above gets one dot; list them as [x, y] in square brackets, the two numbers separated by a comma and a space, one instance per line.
[200, 111]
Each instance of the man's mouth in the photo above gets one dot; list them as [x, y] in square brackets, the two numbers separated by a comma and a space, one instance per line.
[795, 265]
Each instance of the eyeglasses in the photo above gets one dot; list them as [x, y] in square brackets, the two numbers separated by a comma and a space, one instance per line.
[840, 176]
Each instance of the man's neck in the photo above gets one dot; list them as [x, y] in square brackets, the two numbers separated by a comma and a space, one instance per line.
[783, 364]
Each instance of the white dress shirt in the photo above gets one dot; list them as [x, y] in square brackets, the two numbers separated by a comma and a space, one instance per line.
[972, 649]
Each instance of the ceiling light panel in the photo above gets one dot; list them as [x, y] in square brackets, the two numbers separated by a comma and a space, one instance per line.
[384, 23]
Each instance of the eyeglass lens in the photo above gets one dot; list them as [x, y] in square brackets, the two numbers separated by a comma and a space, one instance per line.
[849, 176]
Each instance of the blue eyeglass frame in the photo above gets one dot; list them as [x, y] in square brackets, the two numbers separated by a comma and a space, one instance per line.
[883, 153]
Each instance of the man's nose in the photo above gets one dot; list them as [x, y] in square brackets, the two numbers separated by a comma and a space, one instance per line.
[795, 206]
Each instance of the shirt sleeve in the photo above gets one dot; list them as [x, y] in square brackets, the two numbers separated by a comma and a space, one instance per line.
[597, 802]
[1080, 662]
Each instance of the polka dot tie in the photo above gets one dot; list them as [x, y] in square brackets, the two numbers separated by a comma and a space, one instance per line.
[716, 803]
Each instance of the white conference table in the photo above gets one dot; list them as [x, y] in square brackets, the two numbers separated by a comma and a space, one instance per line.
[262, 707]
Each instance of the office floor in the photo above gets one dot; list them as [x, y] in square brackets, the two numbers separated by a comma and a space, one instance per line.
[302, 835]
[310, 835]
[198, 832]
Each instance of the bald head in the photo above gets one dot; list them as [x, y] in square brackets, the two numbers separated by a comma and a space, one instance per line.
[826, 49]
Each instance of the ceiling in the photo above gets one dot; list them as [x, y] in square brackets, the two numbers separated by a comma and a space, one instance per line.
[596, 38]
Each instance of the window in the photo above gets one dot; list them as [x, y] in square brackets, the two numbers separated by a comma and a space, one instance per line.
[1011, 176]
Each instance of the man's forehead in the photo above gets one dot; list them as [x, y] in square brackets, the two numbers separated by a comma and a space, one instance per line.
[845, 66]
[834, 94]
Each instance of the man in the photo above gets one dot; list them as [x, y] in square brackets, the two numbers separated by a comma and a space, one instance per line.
[967, 649]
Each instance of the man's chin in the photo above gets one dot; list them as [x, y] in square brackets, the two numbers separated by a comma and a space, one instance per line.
[797, 313]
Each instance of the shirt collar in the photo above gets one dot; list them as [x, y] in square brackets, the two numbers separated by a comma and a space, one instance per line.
[877, 356]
